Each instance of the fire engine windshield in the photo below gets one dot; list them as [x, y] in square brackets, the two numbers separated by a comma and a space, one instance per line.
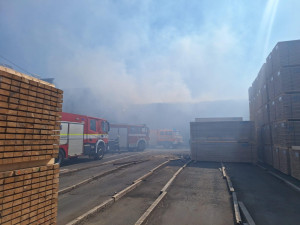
[105, 126]
[145, 130]
[93, 125]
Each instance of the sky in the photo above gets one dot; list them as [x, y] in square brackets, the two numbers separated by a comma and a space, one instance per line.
[150, 51]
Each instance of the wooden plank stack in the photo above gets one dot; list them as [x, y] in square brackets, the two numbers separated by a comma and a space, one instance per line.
[222, 151]
[279, 81]
[275, 158]
[29, 137]
[268, 154]
[29, 196]
[295, 162]
[222, 131]
[284, 160]
[222, 141]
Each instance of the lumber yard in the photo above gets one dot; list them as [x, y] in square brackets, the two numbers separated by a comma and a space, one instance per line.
[235, 172]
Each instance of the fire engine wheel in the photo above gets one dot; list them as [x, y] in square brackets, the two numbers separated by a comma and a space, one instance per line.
[61, 156]
[141, 146]
[100, 152]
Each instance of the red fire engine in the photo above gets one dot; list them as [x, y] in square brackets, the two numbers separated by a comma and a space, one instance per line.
[82, 135]
[166, 137]
[129, 137]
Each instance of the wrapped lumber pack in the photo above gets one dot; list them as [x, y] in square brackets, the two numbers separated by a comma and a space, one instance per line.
[295, 162]
[281, 87]
[222, 141]
[29, 136]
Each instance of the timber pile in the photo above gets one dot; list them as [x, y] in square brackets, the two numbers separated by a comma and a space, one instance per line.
[29, 196]
[295, 162]
[286, 133]
[275, 158]
[284, 160]
[279, 82]
[287, 107]
[268, 154]
[222, 141]
[29, 140]
[222, 151]
[241, 131]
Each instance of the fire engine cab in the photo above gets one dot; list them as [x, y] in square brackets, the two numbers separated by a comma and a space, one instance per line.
[129, 137]
[82, 135]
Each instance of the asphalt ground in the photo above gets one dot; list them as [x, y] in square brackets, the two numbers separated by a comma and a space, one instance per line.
[279, 173]
[132, 206]
[80, 200]
[268, 200]
[83, 162]
[77, 163]
[76, 177]
[199, 195]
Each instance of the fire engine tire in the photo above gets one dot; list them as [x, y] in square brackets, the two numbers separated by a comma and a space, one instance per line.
[141, 146]
[61, 156]
[100, 152]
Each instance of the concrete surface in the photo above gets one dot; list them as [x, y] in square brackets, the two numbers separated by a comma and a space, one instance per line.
[129, 209]
[285, 176]
[199, 195]
[75, 203]
[76, 177]
[76, 163]
[268, 200]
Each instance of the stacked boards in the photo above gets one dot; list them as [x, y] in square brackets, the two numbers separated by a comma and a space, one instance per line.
[274, 99]
[29, 141]
[29, 196]
[222, 141]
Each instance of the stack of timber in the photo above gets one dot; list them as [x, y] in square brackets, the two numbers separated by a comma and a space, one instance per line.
[218, 119]
[295, 162]
[29, 137]
[29, 196]
[222, 141]
[281, 87]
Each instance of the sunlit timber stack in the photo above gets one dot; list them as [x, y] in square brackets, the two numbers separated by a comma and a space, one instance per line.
[29, 137]
[222, 140]
[274, 99]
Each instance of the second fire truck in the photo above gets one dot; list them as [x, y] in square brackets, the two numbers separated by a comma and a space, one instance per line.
[128, 137]
[82, 135]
